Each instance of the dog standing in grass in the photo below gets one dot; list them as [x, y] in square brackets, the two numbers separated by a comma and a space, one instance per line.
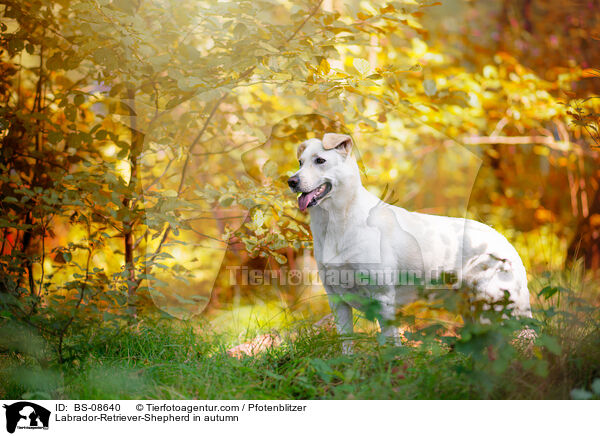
[370, 251]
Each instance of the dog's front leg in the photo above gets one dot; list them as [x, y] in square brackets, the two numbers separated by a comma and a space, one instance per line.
[387, 315]
[390, 332]
[342, 313]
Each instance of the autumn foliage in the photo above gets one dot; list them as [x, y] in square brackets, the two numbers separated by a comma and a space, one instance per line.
[146, 143]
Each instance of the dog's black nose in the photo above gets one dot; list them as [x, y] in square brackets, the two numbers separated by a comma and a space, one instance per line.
[293, 182]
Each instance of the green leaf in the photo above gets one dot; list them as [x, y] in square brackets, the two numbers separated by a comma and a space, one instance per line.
[16, 45]
[549, 291]
[551, 344]
[322, 369]
[226, 200]
[55, 137]
[105, 56]
[101, 134]
[268, 47]
[54, 62]
[70, 113]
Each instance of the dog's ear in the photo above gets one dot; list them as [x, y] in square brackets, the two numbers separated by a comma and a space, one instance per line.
[301, 149]
[342, 143]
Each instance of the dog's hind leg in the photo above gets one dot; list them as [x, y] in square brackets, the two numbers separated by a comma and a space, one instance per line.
[342, 313]
[491, 275]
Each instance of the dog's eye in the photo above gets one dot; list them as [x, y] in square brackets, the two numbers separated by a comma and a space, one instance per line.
[319, 160]
[300, 162]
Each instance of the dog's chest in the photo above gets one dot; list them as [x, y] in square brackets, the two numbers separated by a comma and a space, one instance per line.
[348, 261]
[354, 246]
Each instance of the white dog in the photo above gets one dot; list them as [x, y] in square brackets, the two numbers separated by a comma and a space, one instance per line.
[368, 250]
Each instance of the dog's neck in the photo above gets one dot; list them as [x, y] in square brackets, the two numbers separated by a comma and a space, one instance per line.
[349, 203]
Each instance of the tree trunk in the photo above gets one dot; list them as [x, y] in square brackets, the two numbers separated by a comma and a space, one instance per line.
[137, 141]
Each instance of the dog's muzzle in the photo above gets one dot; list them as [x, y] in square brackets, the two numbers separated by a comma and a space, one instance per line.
[312, 198]
[293, 183]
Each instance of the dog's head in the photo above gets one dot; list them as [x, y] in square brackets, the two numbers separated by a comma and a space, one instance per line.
[325, 165]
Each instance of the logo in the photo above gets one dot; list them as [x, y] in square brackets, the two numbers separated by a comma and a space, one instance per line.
[26, 415]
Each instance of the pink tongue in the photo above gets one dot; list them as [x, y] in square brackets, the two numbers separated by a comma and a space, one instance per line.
[305, 199]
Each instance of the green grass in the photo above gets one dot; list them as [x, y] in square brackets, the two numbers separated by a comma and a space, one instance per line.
[170, 361]
[178, 360]
[164, 358]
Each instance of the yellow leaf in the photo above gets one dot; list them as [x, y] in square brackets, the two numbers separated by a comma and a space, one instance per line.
[324, 67]
[595, 220]
[544, 215]
[590, 72]
[361, 65]
[352, 89]
[258, 218]
[493, 153]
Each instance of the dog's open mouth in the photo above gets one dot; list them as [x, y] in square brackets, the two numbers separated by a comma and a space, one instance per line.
[308, 199]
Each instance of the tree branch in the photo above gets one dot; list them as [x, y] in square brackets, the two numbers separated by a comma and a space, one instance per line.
[183, 172]
[308, 17]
